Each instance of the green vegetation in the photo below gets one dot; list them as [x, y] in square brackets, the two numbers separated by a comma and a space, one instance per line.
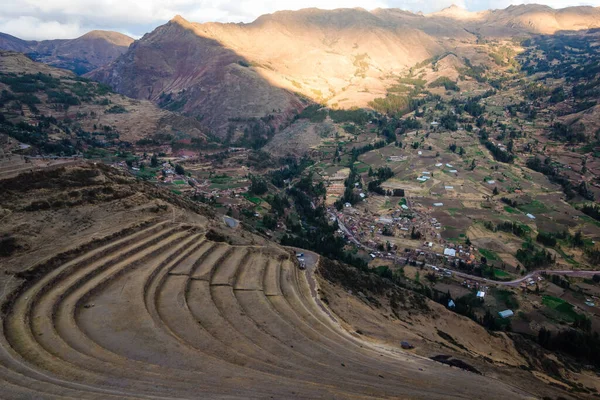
[501, 274]
[357, 116]
[116, 109]
[252, 199]
[506, 297]
[534, 207]
[533, 257]
[314, 113]
[490, 255]
[562, 307]
[446, 82]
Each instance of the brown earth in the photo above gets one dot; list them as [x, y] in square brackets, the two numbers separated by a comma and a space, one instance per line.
[115, 288]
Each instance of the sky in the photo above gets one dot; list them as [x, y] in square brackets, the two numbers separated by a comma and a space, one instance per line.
[65, 19]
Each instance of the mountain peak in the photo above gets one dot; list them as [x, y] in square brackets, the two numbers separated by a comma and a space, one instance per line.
[455, 12]
[115, 38]
[179, 20]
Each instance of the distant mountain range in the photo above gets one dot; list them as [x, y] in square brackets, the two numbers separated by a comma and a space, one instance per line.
[225, 74]
[81, 55]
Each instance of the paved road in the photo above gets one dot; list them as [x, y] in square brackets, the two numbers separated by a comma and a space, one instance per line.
[514, 283]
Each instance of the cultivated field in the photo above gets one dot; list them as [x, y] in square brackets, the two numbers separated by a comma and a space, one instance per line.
[162, 310]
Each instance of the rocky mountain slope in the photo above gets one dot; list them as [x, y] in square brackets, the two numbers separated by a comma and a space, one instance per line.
[80, 55]
[343, 57]
[47, 107]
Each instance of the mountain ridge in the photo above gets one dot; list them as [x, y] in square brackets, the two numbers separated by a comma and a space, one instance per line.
[80, 55]
[344, 58]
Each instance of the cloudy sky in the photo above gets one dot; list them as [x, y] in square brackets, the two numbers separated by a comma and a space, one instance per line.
[53, 19]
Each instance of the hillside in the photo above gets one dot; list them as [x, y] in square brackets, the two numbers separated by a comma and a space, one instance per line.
[55, 111]
[80, 55]
[141, 293]
[227, 73]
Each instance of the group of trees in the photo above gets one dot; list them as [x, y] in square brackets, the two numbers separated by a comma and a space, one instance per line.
[552, 172]
[580, 342]
[533, 257]
[498, 153]
[382, 174]
[258, 185]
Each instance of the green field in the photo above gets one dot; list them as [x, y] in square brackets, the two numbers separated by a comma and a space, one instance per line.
[535, 207]
[562, 308]
[511, 210]
[255, 200]
[498, 273]
[489, 254]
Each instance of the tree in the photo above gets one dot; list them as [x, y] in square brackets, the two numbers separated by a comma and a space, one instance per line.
[257, 185]
[154, 161]
[179, 170]
[495, 192]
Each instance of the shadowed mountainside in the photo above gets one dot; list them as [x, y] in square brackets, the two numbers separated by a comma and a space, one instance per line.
[80, 55]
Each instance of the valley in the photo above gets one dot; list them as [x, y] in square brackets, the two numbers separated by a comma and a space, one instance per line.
[307, 206]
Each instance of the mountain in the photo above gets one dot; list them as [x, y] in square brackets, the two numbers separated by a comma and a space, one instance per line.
[71, 114]
[225, 73]
[523, 19]
[81, 55]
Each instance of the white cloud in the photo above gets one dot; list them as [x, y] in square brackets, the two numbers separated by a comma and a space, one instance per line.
[40, 19]
[34, 28]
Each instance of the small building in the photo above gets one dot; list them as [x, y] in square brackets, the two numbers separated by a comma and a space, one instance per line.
[438, 204]
[450, 252]
[451, 304]
[481, 294]
[405, 345]
[530, 216]
[506, 313]
[449, 187]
